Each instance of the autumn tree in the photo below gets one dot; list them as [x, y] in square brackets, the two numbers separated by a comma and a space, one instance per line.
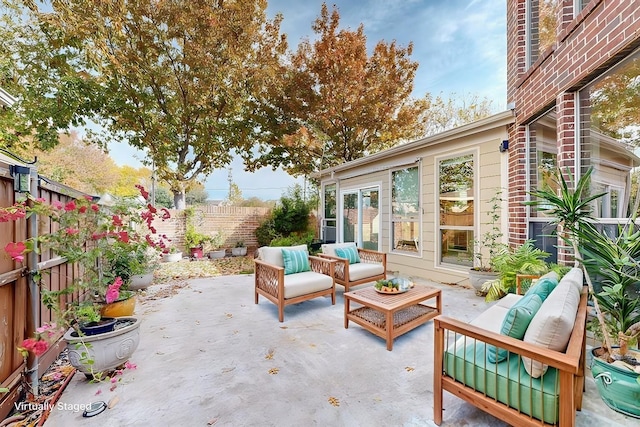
[51, 86]
[76, 163]
[337, 103]
[177, 78]
[443, 114]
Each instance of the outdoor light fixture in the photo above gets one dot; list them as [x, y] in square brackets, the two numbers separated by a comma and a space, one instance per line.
[504, 145]
[21, 178]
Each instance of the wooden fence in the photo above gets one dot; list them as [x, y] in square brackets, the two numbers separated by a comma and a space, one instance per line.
[21, 310]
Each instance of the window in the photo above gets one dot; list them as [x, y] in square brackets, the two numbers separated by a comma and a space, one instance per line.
[360, 219]
[456, 210]
[543, 165]
[329, 217]
[541, 24]
[610, 137]
[405, 210]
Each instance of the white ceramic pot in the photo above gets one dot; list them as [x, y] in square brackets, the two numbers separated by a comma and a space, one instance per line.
[108, 350]
[140, 281]
[478, 278]
[241, 251]
[217, 254]
[177, 256]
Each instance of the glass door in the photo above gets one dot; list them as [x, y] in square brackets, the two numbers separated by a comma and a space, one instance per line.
[360, 219]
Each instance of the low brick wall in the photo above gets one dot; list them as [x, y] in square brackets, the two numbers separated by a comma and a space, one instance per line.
[236, 224]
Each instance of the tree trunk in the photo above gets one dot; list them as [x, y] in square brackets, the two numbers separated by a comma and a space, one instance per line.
[179, 200]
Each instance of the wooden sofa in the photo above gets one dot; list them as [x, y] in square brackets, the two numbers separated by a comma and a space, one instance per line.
[371, 267]
[505, 389]
[283, 289]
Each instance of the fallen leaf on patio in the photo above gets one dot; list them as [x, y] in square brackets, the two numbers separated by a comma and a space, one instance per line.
[408, 368]
[229, 315]
[334, 401]
[197, 322]
[212, 422]
[225, 370]
[283, 327]
[269, 355]
[113, 401]
[274, 371]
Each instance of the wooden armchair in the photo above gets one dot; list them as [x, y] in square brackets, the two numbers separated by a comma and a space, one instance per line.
[283, 289]
[369, 267]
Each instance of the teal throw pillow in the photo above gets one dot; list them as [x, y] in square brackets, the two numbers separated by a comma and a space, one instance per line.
[543, 287]
[515, 324]
[295, 261]
[350, 253]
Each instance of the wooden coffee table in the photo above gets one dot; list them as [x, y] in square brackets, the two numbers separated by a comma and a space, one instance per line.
[391, 315]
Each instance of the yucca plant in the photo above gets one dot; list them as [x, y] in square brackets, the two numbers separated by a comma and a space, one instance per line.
[526, 259]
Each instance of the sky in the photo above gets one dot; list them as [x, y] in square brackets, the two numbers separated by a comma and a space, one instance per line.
[460, 46]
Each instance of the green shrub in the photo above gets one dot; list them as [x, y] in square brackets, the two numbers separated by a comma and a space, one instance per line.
[289, 221]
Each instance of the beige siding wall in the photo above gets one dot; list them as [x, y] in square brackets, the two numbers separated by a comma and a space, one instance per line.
[490, 167]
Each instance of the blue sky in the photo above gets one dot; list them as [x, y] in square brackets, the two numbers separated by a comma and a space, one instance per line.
[459, 44]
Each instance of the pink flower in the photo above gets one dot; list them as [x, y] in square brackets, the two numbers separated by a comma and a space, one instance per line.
[113, 291]
[129, 365]
[38, 347]
[165, 213]
[41, 200]
[82, 209]
[98, 392]
[70, 207]
[95, 207]
[71, 231]
[57, 204]
[123, 236]
[144, 193]
[16, 250]
[117, 222]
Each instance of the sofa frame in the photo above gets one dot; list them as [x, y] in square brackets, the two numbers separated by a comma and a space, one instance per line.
[570, 366]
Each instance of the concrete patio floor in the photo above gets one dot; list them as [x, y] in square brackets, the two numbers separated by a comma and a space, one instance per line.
[209, 356]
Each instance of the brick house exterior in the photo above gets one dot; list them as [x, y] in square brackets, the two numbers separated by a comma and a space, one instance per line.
[591, 38]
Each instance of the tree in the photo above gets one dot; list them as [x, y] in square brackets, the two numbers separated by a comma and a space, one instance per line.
[442, 114]
[76, 163]
[178, 78]
[52, 88]
[235, 194]
[336, 103]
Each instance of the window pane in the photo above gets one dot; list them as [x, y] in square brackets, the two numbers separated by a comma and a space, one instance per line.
[405, 201]
[350, 217]
[405, 236]
[543, 20]
[456, 191]
[457, 247]
[330, 201]
[370, 219]
[543, 160]
[610, 137]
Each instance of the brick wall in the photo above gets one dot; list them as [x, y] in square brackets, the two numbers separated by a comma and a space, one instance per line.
[236, 223]
[602, 34]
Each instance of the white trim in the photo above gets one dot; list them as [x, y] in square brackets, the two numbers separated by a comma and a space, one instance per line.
[6, 98]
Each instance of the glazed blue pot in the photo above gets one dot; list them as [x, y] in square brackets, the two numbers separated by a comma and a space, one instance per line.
[618, 387]
[105, 325]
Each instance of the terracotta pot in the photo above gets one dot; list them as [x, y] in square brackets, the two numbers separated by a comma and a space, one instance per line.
[119, 308]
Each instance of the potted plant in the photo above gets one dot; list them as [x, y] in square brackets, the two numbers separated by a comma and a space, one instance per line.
[487, 247]
[216, 241]
[240, 249]
[172, 255]
[612, 272]
[508, 263]
[97, 239]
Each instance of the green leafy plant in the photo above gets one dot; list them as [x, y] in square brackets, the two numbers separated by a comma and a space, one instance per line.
[526, 259]
[240, 244]
[489, 243]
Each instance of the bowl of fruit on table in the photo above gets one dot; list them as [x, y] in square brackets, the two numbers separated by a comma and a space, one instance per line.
[395, 285]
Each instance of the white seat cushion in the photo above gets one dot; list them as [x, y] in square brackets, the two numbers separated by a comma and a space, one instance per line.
[305, 283]
[362, 270]
[273, 254]
[330, 248]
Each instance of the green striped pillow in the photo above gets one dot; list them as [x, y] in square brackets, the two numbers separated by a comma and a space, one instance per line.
[350, 253]
[295, 261]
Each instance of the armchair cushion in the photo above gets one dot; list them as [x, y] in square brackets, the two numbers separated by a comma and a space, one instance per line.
[273, 254]
[515, 323]
[305, 283]
[295, 261]
[330, 248]
[363, 270]
[350, 253]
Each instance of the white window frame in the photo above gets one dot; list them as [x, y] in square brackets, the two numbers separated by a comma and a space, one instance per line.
[418, 221]
[377, 186]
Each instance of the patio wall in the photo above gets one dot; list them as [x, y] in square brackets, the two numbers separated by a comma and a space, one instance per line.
[21, 311]
[236, 223]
